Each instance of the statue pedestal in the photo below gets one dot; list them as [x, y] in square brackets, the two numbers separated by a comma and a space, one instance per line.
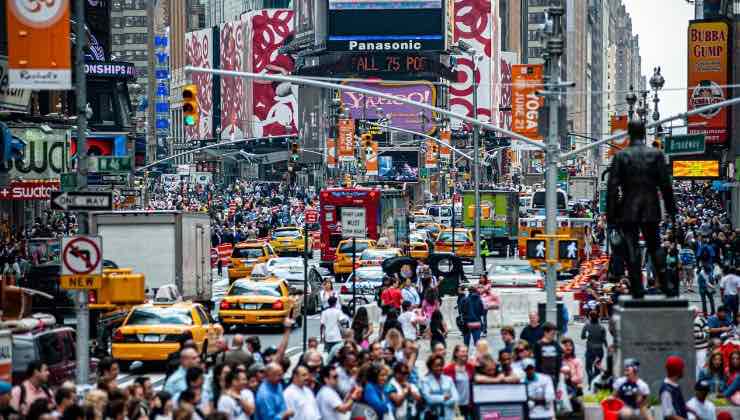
[650, 330]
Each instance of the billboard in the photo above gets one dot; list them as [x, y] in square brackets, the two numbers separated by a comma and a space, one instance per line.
[371, 159]
[402, 115]
[430, 157]
[508, 59]
[474, 23]
[271, 108]
[199, 53]
[11, 99]
[346, 140]
[233, 119]
[31, 24]
[331, 153]
[708, 72]
[445, 137]
[695, 169]
[398, 165]
[526, 79]
[618, 124]
[386, 25]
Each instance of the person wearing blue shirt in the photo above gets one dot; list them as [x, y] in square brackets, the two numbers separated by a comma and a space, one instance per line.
[269, 401]
[438, 390]
[720, 323]
[176, 383]
[373, 393]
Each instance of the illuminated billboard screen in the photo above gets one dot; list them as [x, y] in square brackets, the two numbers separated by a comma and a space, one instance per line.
[696, 169]
[386, 26]
[402, 166]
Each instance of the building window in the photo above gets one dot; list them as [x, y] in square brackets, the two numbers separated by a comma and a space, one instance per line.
[135, 21]
[116, 22]
[536, 17]
[535, 52]
[117, 40]
[117, 6]
[538, 3]
[533, 35]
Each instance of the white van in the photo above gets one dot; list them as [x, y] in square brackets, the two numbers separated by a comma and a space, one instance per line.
[441, 214]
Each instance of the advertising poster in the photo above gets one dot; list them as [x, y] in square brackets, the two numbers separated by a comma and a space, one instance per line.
[233, 119]
[199, 53]
[331, 153]
[271, 108]
[695, 169]
[430, 158]
[371, 159]
[11, 99]
[34, 23]
[708, 61]
[474, 25]
[526, 81]
[346, 140]
[445, 136]
[402, 115]
[618, 124]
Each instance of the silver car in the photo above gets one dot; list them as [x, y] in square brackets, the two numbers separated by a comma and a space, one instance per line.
[367, 287]
[290, 269]
[514, 273]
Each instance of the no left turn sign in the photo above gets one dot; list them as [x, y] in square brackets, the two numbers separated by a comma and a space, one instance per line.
[82, 255]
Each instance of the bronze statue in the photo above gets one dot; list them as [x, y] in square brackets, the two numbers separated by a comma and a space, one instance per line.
[636, 175]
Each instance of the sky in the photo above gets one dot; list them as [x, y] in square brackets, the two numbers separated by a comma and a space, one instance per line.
[662, 26]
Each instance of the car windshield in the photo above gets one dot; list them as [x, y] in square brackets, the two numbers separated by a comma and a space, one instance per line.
[290, 233]
[347, 247]
[370, 275]
[447, 237]
[255, 289]
[377, 254]
[159, 316]
[276, 263]
[423, 219]
[248, 253]
[512, 269]
[445, 212]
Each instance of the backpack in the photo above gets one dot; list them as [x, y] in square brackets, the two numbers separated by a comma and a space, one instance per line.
[687, 257]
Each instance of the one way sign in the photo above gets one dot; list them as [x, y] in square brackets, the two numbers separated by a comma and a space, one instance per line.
[81, 201]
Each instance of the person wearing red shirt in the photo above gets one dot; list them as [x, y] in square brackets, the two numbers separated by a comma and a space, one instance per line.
[392, 296]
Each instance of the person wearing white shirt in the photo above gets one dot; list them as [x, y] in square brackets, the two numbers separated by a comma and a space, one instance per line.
[331, 318]
[230, 402]
[408, 321]
[300, 398]
[331, 405]
[699, 407]
[541, 392]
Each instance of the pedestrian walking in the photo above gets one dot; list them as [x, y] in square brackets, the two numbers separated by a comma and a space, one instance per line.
[596, 343]
[472, 312]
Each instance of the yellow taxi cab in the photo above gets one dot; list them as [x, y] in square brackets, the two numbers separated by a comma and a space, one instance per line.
[245, 255]
[418, 246]
[343, 262]
[288, 240]
[153, 332]
[433, 228]
[264, 302]
[375, 256]
[464, 242]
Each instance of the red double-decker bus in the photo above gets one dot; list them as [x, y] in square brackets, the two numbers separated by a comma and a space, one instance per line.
[385, 215]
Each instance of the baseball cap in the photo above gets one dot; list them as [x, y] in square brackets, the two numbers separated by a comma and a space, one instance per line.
[674, 365]
[702, 385]
[631, 362]
[528, 363]
[5, 387]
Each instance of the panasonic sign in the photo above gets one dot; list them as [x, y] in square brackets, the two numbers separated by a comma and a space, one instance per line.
[385, 46]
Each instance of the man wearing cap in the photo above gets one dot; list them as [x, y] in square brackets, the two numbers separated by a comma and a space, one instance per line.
[630, 388]
[6, 411]
[672, 402]
[540, 391]
[699, 407]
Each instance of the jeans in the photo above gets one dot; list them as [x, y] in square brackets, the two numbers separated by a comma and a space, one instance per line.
[733, 388]
[591, 357]
[472, 332]
[731, 302]
[705, 295]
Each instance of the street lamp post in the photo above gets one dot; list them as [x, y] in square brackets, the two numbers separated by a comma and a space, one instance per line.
[631, 99]
[656, 84]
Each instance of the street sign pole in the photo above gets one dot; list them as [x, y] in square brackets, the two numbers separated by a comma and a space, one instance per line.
[83, 313]
[354, 279]
[305, 286]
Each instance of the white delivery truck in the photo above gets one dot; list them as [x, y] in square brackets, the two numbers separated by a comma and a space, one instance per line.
[582, 188]
[168, 247]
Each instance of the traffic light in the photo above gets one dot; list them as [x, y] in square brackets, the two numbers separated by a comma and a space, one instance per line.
[12, 147]
[295, 152]
[190, 108]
